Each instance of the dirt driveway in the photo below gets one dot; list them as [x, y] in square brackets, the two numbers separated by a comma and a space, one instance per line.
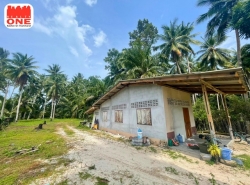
[117, 162]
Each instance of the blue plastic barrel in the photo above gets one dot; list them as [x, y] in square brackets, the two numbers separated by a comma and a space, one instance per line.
[226, 153]
[179, 138]
[139, 133]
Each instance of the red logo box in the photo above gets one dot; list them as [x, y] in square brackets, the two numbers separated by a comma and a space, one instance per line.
[18, 16]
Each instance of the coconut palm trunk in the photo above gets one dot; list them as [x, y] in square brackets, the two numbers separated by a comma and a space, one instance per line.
[24, 115]
[44, 106]
[222, 102]
[52, 106]
[178, 67]
[4, 100]
[29, 115]
[54, 110]
[18, 105]
[193, 97]
[33, 102]
[218, 101]
[238, 48]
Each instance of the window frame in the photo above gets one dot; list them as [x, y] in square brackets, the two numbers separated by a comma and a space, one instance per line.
[118, 119]
[105, 120]
[137, 116]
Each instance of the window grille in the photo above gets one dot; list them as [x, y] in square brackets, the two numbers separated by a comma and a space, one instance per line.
[176, 102]
[104, 108]
[121, 106]
[149, 103]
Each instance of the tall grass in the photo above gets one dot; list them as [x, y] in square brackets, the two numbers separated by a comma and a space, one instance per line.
[22, 169]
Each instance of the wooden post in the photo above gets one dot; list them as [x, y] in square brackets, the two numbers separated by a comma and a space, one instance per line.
[228, 117]
[207, 108]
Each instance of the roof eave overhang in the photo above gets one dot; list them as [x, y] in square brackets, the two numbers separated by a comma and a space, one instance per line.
[229, 81]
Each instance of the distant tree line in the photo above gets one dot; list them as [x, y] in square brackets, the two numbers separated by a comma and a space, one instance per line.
[149, 54]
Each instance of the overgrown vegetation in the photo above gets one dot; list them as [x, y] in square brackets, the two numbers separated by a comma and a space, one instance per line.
[245, 159]
[84, 175]
[152, 149]
[172, 170]
[238, 109]
[212, 180]
[101, 181]
[191, 176]
[21, 169]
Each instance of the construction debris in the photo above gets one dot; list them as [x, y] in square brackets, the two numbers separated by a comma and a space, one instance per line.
[26, 151]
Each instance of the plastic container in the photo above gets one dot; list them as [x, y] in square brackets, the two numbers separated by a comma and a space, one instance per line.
[226, 153]
[139, 133]
[170, 142]
[179, 138]
[183, 138]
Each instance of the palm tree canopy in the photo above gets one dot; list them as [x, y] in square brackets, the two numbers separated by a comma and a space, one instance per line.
[176, 41]
[245, 57]
[211, 55]
[138, 62]
[21, 68]
[220, 15]
[3, 58]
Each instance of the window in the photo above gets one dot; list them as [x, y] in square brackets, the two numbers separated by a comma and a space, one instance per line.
[104, 116]
[118, 116]
[144, 116]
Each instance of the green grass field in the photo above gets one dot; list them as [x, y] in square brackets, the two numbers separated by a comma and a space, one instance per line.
[22, 169]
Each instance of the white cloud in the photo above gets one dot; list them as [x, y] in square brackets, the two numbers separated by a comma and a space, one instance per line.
[73, 51]
[42, 28]
[90, 2]
[100, 39]
[64, 24]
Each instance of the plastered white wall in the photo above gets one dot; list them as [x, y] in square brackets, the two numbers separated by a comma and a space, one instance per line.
[133, 94]
[174, 113]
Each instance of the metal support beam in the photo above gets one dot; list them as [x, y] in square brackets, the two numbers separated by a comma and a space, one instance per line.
[208, 85]
[228, 117]
[207, 108]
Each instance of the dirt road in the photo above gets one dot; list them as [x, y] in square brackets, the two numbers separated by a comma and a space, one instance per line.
[117, 162]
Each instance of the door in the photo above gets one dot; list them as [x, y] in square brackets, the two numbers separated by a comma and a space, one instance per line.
[187, 122]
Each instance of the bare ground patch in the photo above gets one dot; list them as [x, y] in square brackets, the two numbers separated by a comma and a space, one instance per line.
[103, 160]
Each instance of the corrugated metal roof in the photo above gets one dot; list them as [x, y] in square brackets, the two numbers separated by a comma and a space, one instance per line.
[229, 81]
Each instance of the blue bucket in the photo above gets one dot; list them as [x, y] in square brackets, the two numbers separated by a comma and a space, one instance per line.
[226, 154]
[139, 133]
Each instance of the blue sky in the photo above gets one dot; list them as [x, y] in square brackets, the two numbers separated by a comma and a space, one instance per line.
[77, 34]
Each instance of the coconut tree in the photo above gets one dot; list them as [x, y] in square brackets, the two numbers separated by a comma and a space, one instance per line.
[114, 67]
[212, 57]
[245, 57]
[55, 85]
[176, 42]
[5, 82]
[21, 69]
[76, 95]
[33, 91]
[220, 14]
[139, 63]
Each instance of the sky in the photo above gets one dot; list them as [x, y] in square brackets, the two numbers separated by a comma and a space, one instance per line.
[77, 34]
